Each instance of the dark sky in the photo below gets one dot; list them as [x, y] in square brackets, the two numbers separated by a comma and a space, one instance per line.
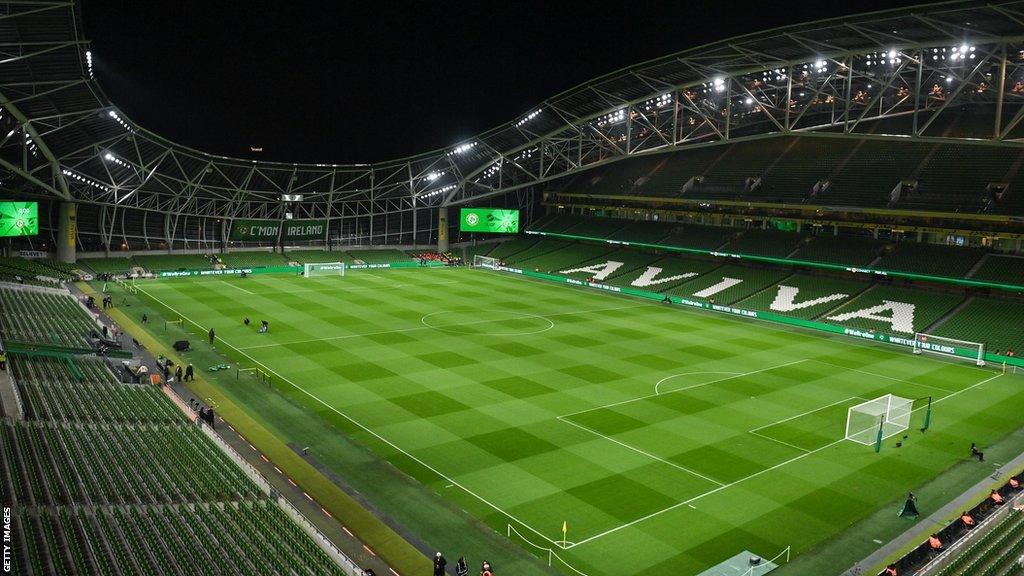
[335, 81]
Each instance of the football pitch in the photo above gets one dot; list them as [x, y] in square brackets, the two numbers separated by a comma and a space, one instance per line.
[665, 440]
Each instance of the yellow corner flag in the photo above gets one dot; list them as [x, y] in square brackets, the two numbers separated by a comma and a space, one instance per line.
[565, 530]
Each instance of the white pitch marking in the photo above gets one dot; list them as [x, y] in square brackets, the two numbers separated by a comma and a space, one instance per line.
[237, 287]
[794, 446]
[754, 475]
[893, 378]
[424, 327]
[441, 328]
[658, 383]
[639, 398]
[639, 451]
[365, 428]
[805, 413]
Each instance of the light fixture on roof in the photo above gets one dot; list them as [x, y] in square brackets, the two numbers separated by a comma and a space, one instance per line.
[528, 117]
[462, 148]
[88, 62]
[120, 120]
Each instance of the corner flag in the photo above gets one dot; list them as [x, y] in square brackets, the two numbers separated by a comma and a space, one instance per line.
[565, 530]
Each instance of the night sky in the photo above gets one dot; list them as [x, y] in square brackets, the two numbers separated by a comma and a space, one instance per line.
[334, 81]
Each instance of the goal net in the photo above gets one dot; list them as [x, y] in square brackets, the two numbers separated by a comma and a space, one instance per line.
[886, 416]
[485, 261]
[310, 270]
[962, 349]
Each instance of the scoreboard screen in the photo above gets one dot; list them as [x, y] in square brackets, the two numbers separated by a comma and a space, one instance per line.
[19, 219]
[489, 220]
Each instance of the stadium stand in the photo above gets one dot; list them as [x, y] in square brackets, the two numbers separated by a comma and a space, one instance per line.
[773, 243]
[46, 270]
[955, 178]
[630, 260]
[52, 391]
[383, 256]
[34, 317]
[252, 259]
[853, 251]
[699, 236]
[931, 259]
[512, 248]
[1007, 269]
[810, 288]
[307, 256]
[112, 478]
[997, 323]
[561, 256]
[166, 262]
[927, 308]
[862, 173]
[114, 265]
[751, 281]
[649, 232]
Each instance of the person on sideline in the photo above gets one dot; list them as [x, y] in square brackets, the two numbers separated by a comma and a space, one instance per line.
[212, 335]
[461, 568]
[967, 520]
[439, 564]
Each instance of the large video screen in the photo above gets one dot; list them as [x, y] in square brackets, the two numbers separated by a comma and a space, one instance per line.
[19, 219]
[489, 220]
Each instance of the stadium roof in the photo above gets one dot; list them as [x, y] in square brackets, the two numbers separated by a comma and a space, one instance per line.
[61, 135]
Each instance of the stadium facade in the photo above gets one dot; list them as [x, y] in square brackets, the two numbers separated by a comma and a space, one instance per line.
[64, 140]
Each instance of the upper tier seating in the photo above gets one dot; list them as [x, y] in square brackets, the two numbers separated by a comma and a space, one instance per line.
[764, 243]
[847, 250]
[862, 172]
[931, 259]
[1005, 269]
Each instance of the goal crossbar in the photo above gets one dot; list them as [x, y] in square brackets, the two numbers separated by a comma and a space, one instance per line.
[311, 269]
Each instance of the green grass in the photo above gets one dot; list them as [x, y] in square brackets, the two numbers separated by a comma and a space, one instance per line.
[531, 404]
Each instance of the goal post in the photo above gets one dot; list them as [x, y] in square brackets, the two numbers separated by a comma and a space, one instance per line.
[485, 261]
[312, 269]
[871, 422]
[963, 349]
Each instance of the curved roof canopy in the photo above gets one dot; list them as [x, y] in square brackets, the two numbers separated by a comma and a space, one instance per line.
[60, 135]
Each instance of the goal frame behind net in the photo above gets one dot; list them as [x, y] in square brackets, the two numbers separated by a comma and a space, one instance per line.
[326, 269]
[878, 419]
[949, 347]
[485, 262]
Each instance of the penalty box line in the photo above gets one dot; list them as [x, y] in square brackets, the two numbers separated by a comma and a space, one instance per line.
[756, 431]
[366, 429]
[683, 389]
[754, 475]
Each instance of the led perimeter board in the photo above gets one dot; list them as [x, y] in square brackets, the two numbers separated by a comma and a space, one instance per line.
[489, 220]
[19, 219]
